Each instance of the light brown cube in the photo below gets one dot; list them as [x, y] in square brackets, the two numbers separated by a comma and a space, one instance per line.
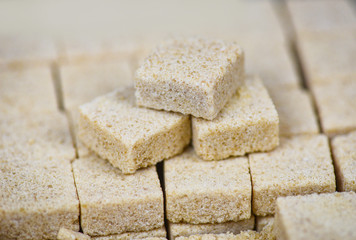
[155, 234]
[336, 103]
[128, 136]
[190, 75]
[187, 229]
[295, 111]
[199, 191]
[328, 57]
[273, 61]
[66, 234]
[248, 123]
[322, 15]
[300, 165]
[26, 90]
[114, 203]
[37, 191]
[344, 152]
[324, 216]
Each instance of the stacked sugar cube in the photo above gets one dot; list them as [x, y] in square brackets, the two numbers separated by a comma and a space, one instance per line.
[188, 88]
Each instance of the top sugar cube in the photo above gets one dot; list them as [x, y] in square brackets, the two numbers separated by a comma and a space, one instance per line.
[190, 75]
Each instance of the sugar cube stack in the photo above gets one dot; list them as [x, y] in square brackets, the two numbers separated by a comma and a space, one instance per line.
[188, 146]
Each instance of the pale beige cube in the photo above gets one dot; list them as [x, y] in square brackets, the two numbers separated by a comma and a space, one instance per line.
[194, 76]
[199, 191]
[295, 111]
[187, 229]
[336, 104]
[37, 191]
[322, 15]
[26, 90]
[272, 61]
[344, 152]
[262, 222]
[328, 57]
[83, 82]
[300, 165]
[155, 234]
[26, 50]
[248, 123]
[324, 216]
[114, 203]
[128, 136]
[66, 234]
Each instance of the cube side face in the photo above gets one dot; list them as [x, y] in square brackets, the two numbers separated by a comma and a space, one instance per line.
[279, 173]
[213, 207]
[38, 224]
[131, 215]
[238, 140]
[165, 144]
[106, 146]
[114, 203]
[191, 76]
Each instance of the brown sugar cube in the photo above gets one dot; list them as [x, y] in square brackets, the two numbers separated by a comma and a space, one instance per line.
[155, 234]
[324, 216]
[37, 191]
[321, 15]
[190, 75]
[344, 152]
[300, 165]
[128, 136]
[187, 229]
[199, 191]
[336, 103]
[114, 203]
[328, 57]
[66, 234]
[248, 123]
[26, 90]
[295, 111]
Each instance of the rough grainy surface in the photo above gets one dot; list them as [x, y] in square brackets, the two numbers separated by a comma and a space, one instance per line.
[37, 192]
[248, 123]
[198, 191]
[81, 83]
[295, 111]
[344, 152]
[114, 203]
[186, 229]
[190, 75]
[66, 234]
[328, 57]
[26, 90]
[18, 51]
[156, 234]
[266, 234]
[40, 135]
[128, 136]
[336, 103]
[324, 216]
[300, 165]
[262, 222]
[321, 15]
